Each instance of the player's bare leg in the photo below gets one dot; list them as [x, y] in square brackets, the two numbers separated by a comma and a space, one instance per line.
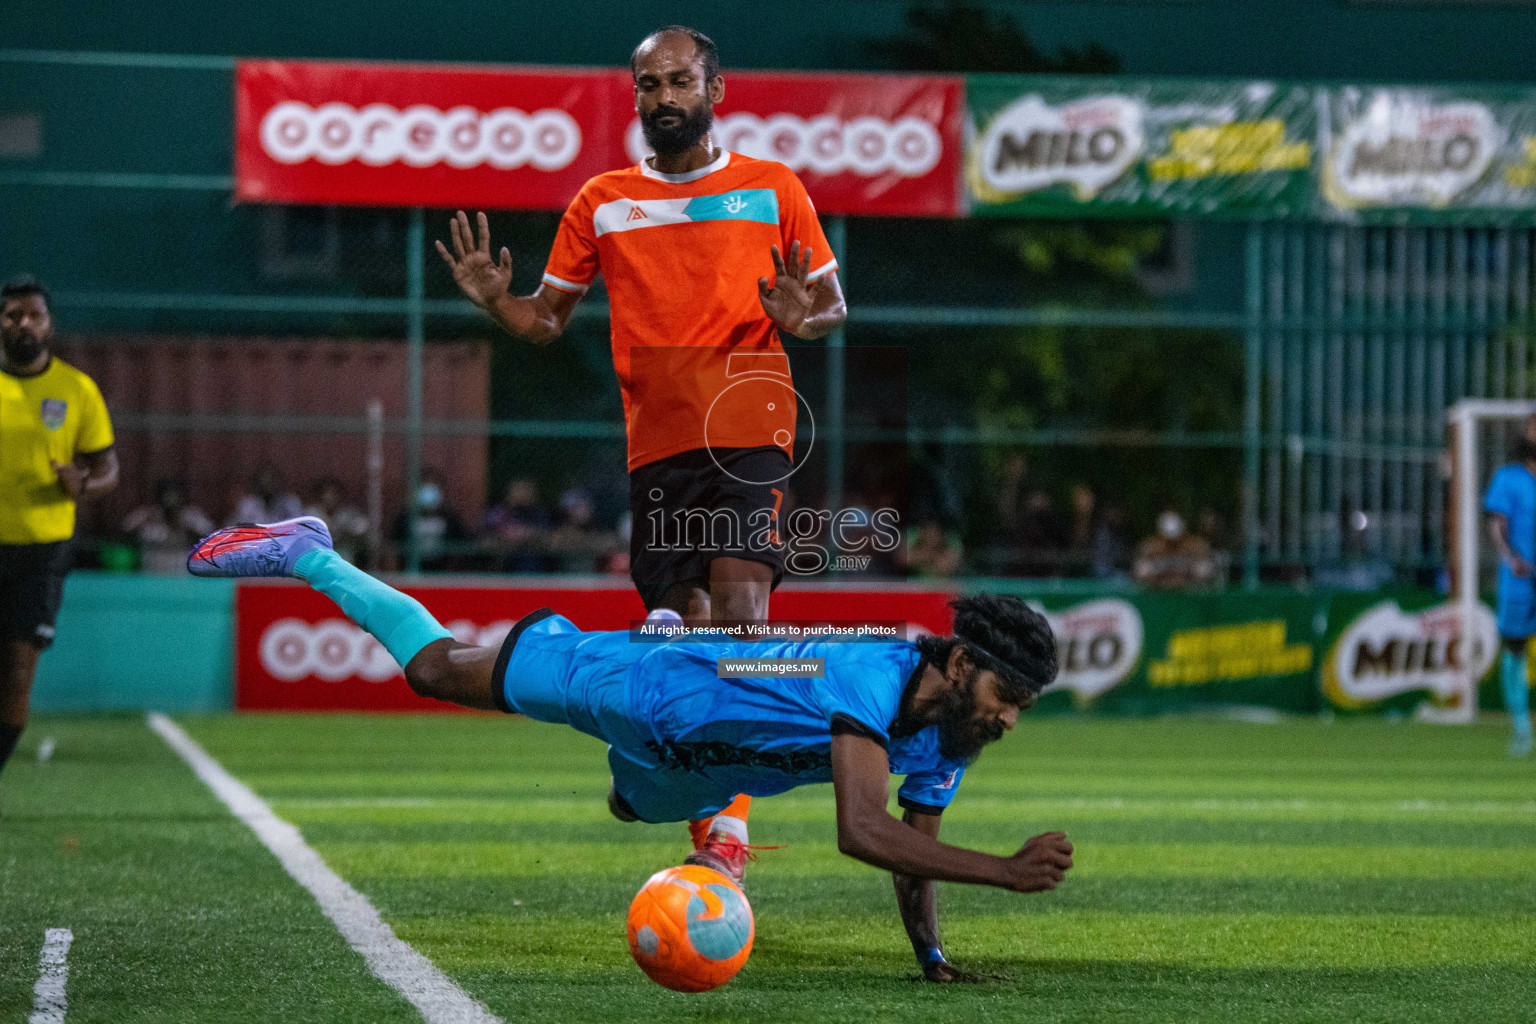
[457, 673]
[689, 601]
[738, 590]
[738, 594]
[18, 666]
[436, 665]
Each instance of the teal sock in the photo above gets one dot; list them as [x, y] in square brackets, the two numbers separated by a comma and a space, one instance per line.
[398, 622]
[1517, 695]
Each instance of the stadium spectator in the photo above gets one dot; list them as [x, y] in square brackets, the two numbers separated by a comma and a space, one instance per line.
[55, 451]
[1040, 537]
[268, 501]
[1210, 525]
[439, 529]
[1109, 553]
[931, 552]
[1079, 533]
[166, 529]
[577, 544]
[518, 528]
[1173, 558]
[348, 524]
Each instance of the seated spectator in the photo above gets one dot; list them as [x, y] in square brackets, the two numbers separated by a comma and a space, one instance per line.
[1040, 537]
[268, 500]
[576, 543]
[166, 530]
[1109, 553]
[930, 552]
[519, 528]
[349, 527]
[438, 528]
[1173, 559]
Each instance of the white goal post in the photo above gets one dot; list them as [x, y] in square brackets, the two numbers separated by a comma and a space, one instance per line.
[1469, 475]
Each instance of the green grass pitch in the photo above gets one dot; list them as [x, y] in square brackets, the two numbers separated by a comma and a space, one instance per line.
[1356, 871]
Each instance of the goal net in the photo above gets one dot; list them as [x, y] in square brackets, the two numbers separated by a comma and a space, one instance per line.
[1479, 436]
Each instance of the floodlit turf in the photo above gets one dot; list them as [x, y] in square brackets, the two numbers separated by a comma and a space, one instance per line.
[1356, 871]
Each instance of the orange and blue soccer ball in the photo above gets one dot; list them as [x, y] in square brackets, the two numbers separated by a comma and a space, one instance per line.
[690, 928]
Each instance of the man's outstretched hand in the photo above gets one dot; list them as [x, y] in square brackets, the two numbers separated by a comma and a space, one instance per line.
[481, 279]
[788, 298]
[1041, 864]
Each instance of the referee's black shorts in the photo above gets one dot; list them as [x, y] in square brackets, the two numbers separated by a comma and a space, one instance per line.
[31, 589]
[693, 507]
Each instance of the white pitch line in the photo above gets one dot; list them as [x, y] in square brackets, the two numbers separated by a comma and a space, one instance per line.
[392, 960]
[48, 1000]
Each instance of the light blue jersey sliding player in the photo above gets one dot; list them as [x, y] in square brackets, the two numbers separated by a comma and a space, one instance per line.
[1511, 507]
[683, 742]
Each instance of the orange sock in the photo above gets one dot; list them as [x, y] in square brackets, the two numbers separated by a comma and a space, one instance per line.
[698, 831]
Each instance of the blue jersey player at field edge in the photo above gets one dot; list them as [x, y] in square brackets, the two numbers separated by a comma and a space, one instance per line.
[683, 742]
[1511, 507]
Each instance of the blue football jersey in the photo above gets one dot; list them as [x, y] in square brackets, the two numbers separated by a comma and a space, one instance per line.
[762, 736]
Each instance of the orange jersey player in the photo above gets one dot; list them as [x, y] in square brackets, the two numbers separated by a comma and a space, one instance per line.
[707, 255]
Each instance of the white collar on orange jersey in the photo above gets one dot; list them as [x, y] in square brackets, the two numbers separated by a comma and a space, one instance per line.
[717, 164]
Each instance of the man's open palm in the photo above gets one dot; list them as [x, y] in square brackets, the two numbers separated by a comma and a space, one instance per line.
[481, 279]
[789, 297]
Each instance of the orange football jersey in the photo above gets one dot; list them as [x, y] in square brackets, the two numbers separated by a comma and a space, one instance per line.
[699, 362]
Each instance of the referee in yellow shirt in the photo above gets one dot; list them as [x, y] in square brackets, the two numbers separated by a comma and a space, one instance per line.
[55, 449]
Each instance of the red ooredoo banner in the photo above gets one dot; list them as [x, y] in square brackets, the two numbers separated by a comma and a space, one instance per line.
[416, 135]
[420, 135]
[295, 651]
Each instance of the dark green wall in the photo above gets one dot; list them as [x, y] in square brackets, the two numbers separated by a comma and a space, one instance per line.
[1374, 39]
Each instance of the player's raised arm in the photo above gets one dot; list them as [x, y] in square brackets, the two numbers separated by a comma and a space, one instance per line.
[484, 280]
[867, 832]
[799, 302]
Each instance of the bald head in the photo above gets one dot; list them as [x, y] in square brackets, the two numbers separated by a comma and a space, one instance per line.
[704, 52]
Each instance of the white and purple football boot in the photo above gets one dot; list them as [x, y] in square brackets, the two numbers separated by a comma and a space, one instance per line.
[257, 549]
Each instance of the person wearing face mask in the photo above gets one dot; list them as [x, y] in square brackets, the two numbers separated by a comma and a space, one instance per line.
[55, 451]
[1173, 558]
[438, 527]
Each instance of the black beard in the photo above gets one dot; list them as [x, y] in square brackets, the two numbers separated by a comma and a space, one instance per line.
[961, 734]
[22, 350]
[682, 136]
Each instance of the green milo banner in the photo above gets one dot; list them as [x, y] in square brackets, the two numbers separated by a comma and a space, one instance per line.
[1151, 653]
[1068, 146]
[1048, 146]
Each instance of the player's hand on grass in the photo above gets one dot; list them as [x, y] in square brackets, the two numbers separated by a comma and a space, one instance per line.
[788, 298]
[482, 279]
[942, 972]
[71, 478]
[1041, 864]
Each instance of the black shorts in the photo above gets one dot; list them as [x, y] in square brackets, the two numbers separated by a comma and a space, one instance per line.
[696, 506]
[31, 589]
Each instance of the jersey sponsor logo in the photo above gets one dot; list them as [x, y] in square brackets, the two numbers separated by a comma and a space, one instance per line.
[54, 411]
[909, 147]
[700, 756]
[420, 136]
[760, 205]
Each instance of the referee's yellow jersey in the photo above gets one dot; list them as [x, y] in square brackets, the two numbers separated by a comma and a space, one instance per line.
[51, 417]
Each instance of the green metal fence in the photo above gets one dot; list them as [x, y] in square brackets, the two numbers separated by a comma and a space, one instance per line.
[1354, 339]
